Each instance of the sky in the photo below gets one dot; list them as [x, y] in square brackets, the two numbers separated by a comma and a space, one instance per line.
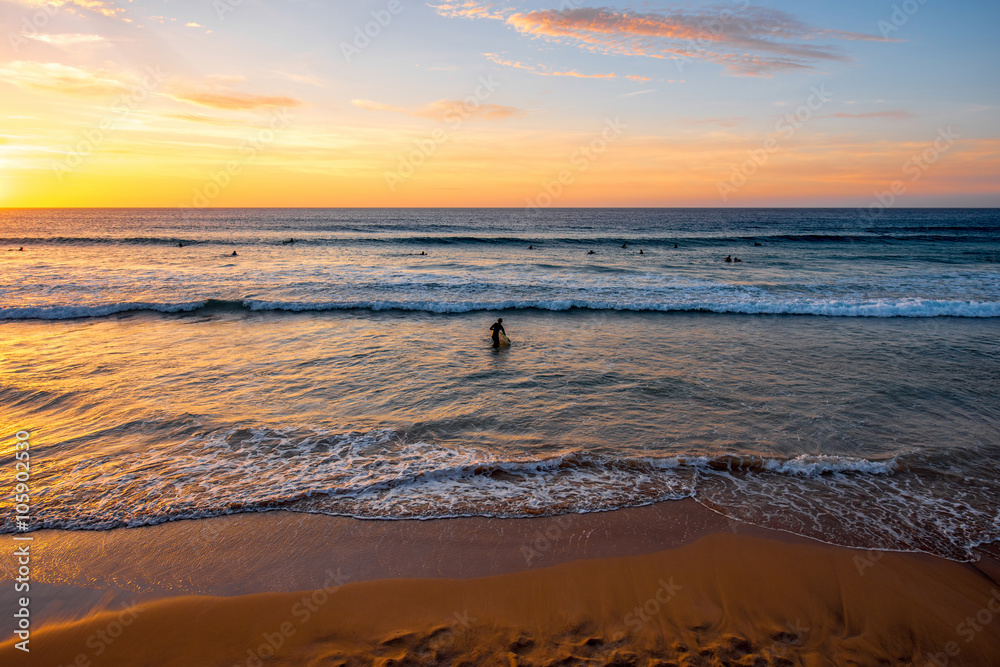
[558, 103]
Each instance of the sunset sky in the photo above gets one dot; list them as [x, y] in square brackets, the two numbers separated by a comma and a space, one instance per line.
[469, 103]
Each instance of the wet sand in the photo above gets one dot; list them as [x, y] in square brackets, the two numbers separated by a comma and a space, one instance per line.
[669, 584]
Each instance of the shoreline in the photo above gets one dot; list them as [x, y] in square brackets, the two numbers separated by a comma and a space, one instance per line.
[673, 582]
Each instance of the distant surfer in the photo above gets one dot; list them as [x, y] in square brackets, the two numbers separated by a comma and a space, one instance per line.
[21, 249]
[737, 259]
[591, 252]
[728, 258]
[288, 241]
[234, 254]
[624, 245]
[531, 247]
[757, 243]
[497, 329]
[180, 245]
[640, 251]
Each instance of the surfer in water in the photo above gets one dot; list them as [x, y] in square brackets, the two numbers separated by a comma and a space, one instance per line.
[497, 329]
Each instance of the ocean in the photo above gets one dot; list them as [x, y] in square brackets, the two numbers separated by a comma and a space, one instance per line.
[840, 382]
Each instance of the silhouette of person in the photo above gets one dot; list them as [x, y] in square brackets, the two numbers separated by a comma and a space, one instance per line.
[640, 251]
[737, 260]
[531, 247]
[234, 254]
[591, 252]
[728, 258]
[180, 245]
[21, 249]
[624, 245]
[497, 329]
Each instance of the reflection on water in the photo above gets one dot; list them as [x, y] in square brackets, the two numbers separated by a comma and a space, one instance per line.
[399, 414]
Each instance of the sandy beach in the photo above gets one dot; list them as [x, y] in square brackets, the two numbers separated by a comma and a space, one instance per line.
[670, 584]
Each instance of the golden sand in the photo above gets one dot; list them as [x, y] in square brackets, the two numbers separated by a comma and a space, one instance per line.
[722, 599]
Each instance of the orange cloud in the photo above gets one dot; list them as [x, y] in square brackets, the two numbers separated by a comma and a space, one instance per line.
[236, 101]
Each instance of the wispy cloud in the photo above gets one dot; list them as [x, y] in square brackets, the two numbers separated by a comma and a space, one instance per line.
[542, 70]
[103, 7]
[442, 109]
[639, 92]
[472, 9]
[895, 114]
[63, 78]
[754, 41]
[65, 39]
[234, 100]
[199, 118]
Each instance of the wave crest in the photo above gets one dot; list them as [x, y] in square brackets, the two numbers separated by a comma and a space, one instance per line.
[746, 306]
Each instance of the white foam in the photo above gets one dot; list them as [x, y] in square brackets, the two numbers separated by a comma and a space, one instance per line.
[99, 310]
[377, 475]
[820, 465]
[917, 308]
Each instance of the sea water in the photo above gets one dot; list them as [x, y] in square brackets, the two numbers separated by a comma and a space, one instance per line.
[839, 382]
